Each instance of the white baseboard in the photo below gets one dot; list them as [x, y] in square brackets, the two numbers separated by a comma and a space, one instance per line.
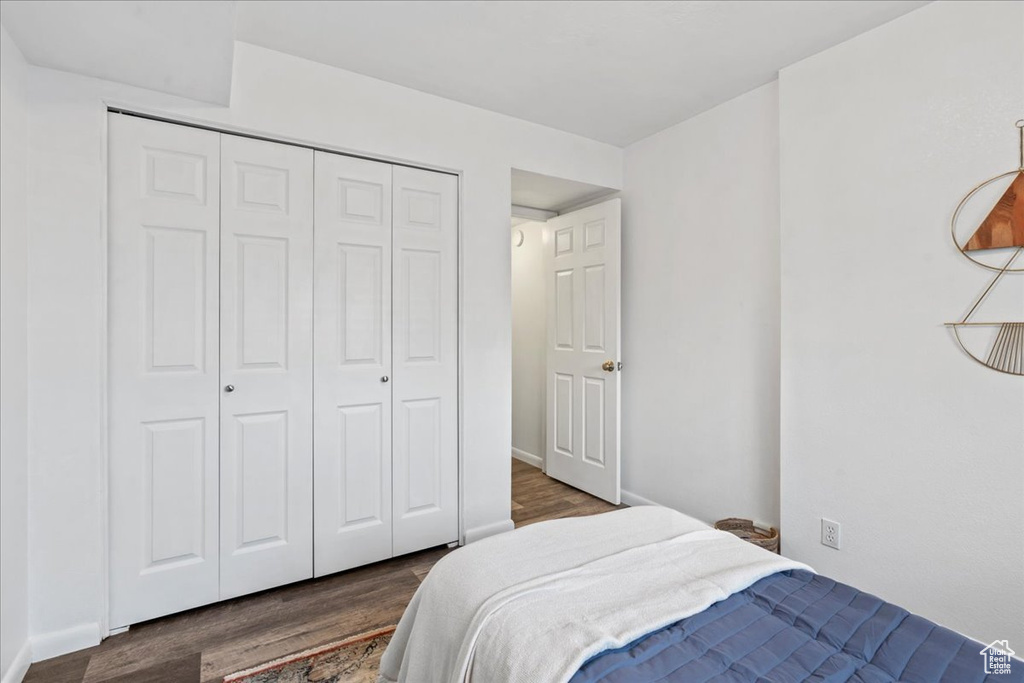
[633, 500]
[479, 532]
[19, 667]
[528, 458]
[57, 643]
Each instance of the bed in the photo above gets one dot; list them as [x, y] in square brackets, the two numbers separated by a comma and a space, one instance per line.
[648, 594]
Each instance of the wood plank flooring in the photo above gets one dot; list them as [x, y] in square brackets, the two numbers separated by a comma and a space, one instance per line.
[537, 497]
[203, 645]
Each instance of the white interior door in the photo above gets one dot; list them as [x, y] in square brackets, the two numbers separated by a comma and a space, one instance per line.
[425, 399]
[163, 238]
[352, 435]
[583, 318]
[266, 323]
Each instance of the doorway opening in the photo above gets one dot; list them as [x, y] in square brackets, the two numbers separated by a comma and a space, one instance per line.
[542, 229]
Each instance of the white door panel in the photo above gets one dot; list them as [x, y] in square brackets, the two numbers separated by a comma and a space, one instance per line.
[250, 447]
[163, 338]
[266, 287]
[582, 267]
[353, 356]
[425, 467]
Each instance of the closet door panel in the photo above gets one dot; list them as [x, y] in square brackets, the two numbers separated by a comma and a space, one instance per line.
[425, 465]
[163, 357]
[266, 284]
[352, 523]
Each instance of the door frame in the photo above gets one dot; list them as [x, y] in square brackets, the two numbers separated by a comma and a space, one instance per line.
[128, 108]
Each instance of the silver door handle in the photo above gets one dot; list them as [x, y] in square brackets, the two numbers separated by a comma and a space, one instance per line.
[229, 388]
[384, 379]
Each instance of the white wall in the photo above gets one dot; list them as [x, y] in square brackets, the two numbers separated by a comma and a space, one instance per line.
[14, 652]
[887, 427]
[284, 97]
[529, 316]
[700, 306]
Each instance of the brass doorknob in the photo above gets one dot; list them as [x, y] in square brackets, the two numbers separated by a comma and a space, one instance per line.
[608, 366]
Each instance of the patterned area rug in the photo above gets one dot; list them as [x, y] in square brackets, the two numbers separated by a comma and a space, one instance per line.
[353, 660]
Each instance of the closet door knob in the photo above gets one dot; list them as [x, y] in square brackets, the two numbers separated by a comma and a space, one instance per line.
[229, 388]
[384, 378]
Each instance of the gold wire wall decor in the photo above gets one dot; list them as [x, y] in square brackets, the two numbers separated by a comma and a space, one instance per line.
[1001, 232]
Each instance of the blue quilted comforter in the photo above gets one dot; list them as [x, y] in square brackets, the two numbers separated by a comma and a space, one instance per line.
[797, 626]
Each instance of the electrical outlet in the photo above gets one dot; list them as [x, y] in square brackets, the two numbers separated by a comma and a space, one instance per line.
[830, 533]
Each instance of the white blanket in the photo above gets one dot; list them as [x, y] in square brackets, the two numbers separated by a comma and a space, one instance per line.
[532, 605]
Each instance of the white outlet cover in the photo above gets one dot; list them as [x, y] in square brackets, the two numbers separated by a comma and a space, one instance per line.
[830, 533]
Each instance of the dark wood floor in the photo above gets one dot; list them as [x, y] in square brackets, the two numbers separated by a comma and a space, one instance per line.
[208, 643]
[536, 497]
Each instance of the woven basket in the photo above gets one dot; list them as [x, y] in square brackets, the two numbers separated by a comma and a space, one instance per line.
[745, 529]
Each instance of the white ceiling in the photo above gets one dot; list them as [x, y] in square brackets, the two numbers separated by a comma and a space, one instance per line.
[184, 48]
[611, 71]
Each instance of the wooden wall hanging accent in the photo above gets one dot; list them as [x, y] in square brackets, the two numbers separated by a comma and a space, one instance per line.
[1002, 229]
[1004, 225]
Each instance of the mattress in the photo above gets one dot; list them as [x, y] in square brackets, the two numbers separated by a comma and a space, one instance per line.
[797, 626]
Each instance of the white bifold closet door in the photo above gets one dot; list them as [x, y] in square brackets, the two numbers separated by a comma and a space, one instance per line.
[266, 365]
[164, 216]
[352, 491]
[283, 364]
[386, 456]
[211, 240]
[425, 399]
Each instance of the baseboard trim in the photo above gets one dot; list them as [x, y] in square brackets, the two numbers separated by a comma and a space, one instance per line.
[19, 666]
[480, 532]
[633, 500]
[528, 458]
[57, 643]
